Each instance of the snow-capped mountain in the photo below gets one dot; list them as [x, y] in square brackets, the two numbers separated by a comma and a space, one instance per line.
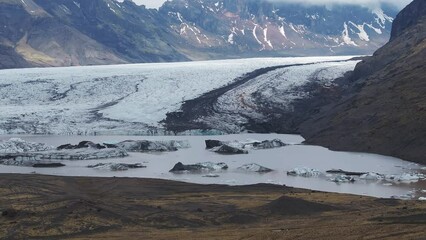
[81, 32]
[259, 26]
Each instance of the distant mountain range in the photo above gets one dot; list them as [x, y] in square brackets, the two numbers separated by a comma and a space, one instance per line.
[82, 32]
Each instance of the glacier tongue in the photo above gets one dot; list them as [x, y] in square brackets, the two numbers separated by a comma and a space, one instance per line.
[122, 99]
[278, 89]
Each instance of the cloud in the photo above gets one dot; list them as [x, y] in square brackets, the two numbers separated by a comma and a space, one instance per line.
[369, 3]
[150, 3]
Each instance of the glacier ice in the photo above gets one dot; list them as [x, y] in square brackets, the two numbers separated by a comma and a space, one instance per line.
[304, 172]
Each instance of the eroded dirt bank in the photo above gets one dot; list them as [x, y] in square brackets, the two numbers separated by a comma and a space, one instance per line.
[48, 207]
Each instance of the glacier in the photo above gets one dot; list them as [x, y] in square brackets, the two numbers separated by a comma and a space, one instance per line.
[133, 99]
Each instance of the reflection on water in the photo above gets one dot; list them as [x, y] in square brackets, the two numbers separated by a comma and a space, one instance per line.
[280, 159]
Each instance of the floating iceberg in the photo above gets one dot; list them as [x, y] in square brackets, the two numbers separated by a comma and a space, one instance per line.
[239, 147]
[116, 166]
[372, 176]
[213, 143]
[228, 149]
[31, 158]
[48, 165]
[341, 178]
[268, 144]
[85, 154]
[304, 172]
[199, 167]
[211, 175]
[401, 178]
[152, 146]
[405, 177]
[253, 167]
[85, 144]
[17, 145]
[343, 172]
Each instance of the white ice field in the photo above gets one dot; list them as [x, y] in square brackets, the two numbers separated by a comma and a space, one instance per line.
[129, 99]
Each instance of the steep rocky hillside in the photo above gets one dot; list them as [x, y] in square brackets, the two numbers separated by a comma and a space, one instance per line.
[132, 32]
[32, 37]
[384, 109]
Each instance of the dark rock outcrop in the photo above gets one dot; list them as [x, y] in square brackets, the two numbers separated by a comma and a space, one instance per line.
[383, 108]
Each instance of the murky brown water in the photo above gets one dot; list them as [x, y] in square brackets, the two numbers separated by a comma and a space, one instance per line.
[280, 159]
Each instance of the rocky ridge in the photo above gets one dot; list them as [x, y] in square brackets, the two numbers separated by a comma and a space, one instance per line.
[38, 33]
[382, 108]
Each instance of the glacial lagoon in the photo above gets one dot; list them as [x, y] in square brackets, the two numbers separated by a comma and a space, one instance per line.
[281, 160]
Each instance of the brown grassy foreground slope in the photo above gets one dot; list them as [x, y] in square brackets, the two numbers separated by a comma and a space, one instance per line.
[48, 207]
[384, 109]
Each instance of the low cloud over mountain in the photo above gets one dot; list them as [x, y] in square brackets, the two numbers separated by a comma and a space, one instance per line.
[370, 3]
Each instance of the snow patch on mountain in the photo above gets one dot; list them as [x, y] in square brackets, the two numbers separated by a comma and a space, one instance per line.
[362, 34]
[231, 38]
[381, 18]
[377, 30]
[265, 34]
[345, 36]
[282, 31]
[255, 35]
[112, 9]
[77, 4]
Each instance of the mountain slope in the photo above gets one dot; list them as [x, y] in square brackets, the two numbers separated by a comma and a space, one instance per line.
[78, 32]
[384, 110]
[35, 37]
[261, 27]
[10, 59]
[134, 33]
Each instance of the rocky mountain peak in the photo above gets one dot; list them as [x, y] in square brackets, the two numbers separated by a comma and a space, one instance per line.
[262, 26]
[408, 17]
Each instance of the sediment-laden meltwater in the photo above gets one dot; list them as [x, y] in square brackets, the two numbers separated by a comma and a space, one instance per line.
[292, 163]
